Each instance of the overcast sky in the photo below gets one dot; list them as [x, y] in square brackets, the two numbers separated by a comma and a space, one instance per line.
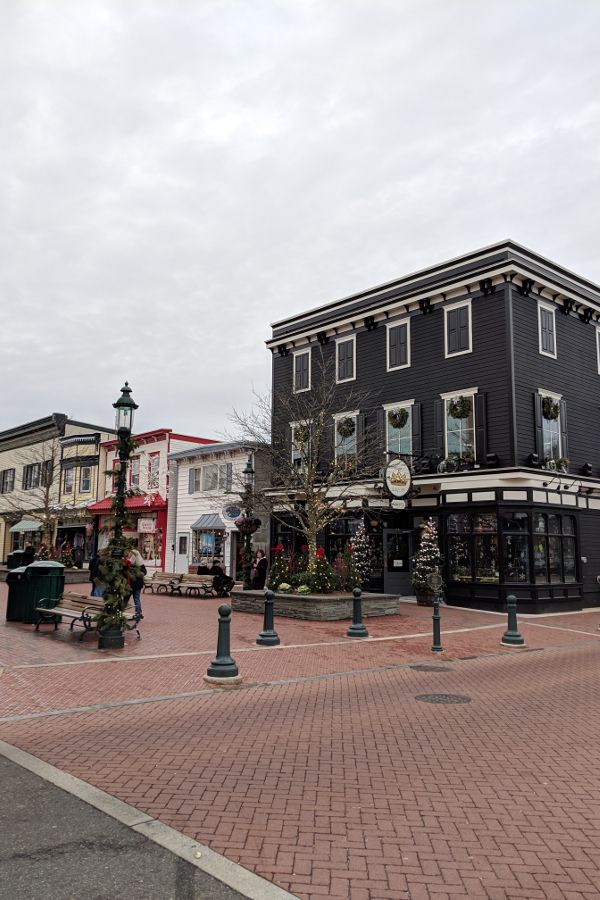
[175, 176]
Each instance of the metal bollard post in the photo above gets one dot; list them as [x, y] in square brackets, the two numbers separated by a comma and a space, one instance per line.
[512, 636]
[436, 647]
[223, 669]
[357, 629]
[268, 636]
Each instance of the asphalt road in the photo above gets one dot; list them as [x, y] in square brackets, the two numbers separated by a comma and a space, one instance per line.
[56, 847]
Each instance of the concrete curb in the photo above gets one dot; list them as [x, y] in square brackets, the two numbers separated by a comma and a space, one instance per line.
[235, 876]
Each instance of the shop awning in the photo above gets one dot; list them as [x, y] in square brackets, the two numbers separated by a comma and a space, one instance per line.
[209, 522]
[26, 525]
[140, 504]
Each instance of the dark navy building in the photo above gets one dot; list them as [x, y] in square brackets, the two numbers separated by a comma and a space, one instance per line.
[483, 374]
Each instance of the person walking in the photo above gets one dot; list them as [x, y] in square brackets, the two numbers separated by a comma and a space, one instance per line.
[259, 571]
[137, 580]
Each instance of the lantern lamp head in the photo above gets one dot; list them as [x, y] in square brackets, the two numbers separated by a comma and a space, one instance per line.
[248, 473]
[125, 407]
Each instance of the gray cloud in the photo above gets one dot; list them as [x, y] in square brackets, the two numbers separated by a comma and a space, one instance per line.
[175, 176]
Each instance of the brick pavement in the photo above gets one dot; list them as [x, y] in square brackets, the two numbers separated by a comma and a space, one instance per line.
[325, 774]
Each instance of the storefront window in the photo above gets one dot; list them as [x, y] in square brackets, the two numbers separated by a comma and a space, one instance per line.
[554, 548]
[472, 547]
[515, 527]
[208, 546]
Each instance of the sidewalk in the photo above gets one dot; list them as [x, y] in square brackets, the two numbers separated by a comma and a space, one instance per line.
[340, 769]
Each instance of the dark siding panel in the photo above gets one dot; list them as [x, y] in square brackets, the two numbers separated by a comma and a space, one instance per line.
[480, 428]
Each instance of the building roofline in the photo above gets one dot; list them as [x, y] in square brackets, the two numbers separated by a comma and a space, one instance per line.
[58, 420]
[208, 449]
[506, 255]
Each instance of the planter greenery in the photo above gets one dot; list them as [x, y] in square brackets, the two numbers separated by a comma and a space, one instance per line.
[398, 418]
[460, 407]
[550, 408]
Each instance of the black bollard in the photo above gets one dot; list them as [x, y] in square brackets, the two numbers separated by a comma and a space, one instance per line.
[357, 629]
[436, 647]
[223, 669]
[268, 636]
[512, 636]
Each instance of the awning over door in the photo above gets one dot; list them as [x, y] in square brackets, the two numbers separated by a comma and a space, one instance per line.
[26, 525]
[209, 522]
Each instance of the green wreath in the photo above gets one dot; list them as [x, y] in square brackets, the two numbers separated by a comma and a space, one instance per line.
[346, 427]
[460, 407]
[550, 408]
[398, 418]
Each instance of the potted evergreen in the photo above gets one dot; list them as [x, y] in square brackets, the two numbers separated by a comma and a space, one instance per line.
[427, 561]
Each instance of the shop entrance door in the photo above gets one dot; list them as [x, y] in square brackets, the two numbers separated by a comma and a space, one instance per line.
[397, 551]
[181, 553]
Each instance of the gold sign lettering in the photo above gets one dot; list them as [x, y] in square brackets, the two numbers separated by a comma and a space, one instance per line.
[397, 478]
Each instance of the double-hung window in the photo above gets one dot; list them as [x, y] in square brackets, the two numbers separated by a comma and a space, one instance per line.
[300, 444]
[301, 371]
[398, 427]
[460, 424]
[345, 359]
[85, 480]
[134, 472]
[210, 477]
[457, 328]
[31, 476]
[346, 438]
[547, 329]
[68, 480]
[153, 471]
[7, 481]
[398, 345]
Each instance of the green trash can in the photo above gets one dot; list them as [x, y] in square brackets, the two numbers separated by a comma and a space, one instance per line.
[18, 586]
[14, 559]
[45, 578]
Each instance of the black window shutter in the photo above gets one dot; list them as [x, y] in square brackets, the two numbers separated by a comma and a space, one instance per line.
[463, 319]
[393, 346]
[349, 359]
[297, 372]
[381, 443]
[439, 419]
[551, 339]
[402, 345]
[564, 437]
[544, 328]
[451, 325]
[539, 434]
[416, 429]
[341, 352]
[480, 427]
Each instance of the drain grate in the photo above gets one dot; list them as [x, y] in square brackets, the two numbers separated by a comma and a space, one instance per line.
[425, 668]
[443, 698]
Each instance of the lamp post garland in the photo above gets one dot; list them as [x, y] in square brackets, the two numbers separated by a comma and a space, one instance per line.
[116, 570]
[248, 523]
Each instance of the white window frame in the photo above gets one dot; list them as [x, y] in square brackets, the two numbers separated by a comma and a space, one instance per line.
[353, 414]
[304, 352]
[342, 339]
[447, 309]
[205, 489]
[83, 469]
[136, 475]
[293, 426]
[549, 307]
[598, 347]
[556, 397]
[396, 324]
[71, 473]
[388, 407]
[465, 392]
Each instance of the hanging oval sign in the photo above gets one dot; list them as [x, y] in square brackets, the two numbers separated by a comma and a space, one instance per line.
[398, 478]
[230, 512]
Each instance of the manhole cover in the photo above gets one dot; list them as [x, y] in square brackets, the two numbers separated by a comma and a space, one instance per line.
[426, 668]
[443, 698]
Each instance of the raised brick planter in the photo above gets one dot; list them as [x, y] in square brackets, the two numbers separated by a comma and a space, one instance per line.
[316, 607]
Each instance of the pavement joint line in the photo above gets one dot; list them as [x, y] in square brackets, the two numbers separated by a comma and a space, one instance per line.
[215, 864]
[595, 634]
[348, 642]
[300, 679]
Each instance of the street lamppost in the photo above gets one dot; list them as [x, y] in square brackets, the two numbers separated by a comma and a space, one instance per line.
[125, 408]
[247, 524]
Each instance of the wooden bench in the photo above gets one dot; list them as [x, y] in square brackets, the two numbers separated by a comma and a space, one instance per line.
[163, 582]
[81, 609]
[200, 585]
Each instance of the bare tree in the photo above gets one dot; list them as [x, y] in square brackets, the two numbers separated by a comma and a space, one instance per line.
[320, 455]
[37, 487]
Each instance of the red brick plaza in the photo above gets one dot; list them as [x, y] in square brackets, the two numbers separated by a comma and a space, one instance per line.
[324, 772]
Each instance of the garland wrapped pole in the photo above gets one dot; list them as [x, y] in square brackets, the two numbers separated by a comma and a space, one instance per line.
[248, 524]
[111, 623]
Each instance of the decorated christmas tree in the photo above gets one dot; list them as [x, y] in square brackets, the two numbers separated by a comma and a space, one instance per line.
[66, 558]
[427, 559]
[362, 556]
[279, 572]
[43, 552]
[322, 577]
